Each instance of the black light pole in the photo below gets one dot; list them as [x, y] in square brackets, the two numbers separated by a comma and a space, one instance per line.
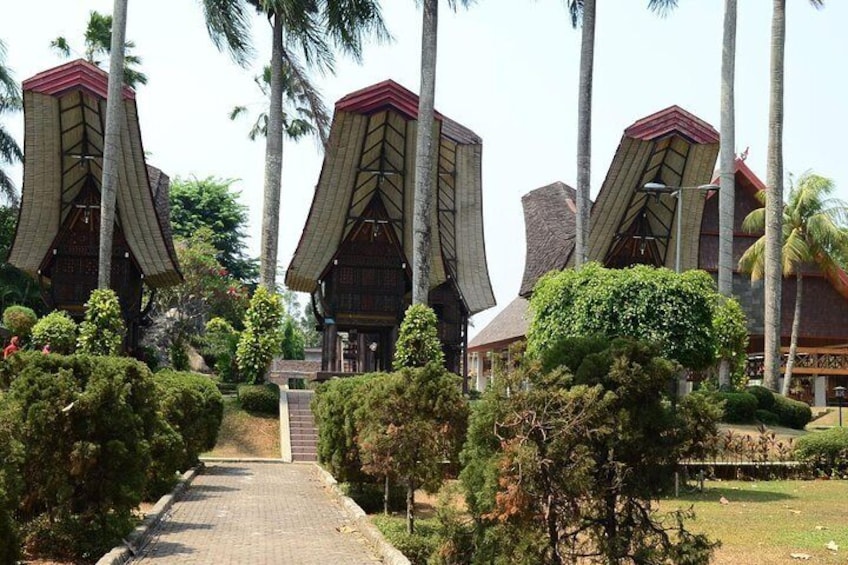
[840, 394]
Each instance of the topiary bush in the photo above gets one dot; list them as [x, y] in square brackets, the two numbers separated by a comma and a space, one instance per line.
[765, 397]
[264, 398]
[766, 417]
[825, 452]
[19, 320]
[58, 330]
[262, 337]
[739, 407]
[792, 413]
[418, 339]
[102, 331]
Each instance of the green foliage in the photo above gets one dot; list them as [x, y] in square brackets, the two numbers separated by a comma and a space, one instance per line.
[16, 287]
[765, 397]
[418, 340]
[766, 417]
[417, 547]
[292, 346]
[739, 407]
[597, 423]
[220, 348]
[825, 452]
[369, 496]
[731, 336]
[261, 339]
[178, 355]
[11, 451]
[792, 413]
[102, 330]
[20, 320]
[672, 310]
[194, 407]
[86, 424]
[213, 205]
[335, 406]
[58, 330]
[264, 398]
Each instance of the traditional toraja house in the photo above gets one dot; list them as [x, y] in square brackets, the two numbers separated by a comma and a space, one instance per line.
[354, 256]
[675, 148]
[57, 236]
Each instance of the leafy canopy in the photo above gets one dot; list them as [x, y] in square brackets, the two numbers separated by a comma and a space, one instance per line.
[418, 340]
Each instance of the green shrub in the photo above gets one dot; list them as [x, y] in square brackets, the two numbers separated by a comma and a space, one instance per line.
[418, 339]
[739, 407]
[369, 496]
[264, 398]
[19, 320]
[86, 425]
[766, 417]
[417, 547]
[335, 405]
[178, 355]
[792, 413]
[765, 397]
[262, 336]
[58, 330]
[220, 348]
[10, 479]
[825, 452]
[102, 331]
[71, 537]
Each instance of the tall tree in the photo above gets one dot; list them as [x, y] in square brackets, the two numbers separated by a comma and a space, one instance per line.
[98, 44]
[813, 232]
[727, 194]
[774, 202]
[10, 151]
[112, 143]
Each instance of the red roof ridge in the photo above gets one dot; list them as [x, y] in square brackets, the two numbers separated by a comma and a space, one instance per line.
[73, 75]
[671, 119]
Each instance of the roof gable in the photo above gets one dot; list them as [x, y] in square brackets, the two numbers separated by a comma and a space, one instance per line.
[75, 75]
[673, 119]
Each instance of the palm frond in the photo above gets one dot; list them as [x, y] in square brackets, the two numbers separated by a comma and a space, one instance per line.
[300, 83]
[755, 221]
[228, 25]
[7, 188]
[795, 252]
[10, 151]
[662, 7]
[753, 260]
[350, 22]
[237, 111]
[61, 46]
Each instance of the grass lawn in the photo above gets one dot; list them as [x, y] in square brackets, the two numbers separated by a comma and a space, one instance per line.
[765, 522]
[245, 434]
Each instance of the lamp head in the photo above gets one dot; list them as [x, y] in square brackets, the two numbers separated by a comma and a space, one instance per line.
[840, 391]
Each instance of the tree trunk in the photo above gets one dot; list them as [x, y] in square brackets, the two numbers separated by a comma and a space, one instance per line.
[112, 143]
[584, 133]
[796, 326]
[410, 506]
[425, 152]
[774, 201]
[273, 165]
[386, 497]
[727, 194]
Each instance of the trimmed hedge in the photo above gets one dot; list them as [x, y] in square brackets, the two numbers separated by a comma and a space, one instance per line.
[739, 407]
[263, 398]
[765, 397]
[417, 547]
[766, 417]
[58, 330]
[825, 452]
[792, 413]
[19, 320]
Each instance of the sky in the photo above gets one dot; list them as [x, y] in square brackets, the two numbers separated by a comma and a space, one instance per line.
[507, 69]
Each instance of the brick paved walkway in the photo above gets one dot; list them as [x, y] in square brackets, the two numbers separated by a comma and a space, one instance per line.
[257, 513]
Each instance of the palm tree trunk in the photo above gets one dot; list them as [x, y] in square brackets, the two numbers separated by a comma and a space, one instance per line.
[584, 133]
[774, 201]
[727, 194]
[796, 326]
[112, 143]
[273, 165]
[425, 152]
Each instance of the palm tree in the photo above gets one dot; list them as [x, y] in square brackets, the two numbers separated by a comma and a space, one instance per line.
[111, 143]
[812, 233]
[774, 186]
[727, 194]
[10, 151]
[583, 11]
[98, 43]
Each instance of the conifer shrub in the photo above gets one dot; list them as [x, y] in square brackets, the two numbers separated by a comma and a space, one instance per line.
[418, 339]
[58, 330]
[102, 330]
[264, 398]
[262, 336]
[19, 320]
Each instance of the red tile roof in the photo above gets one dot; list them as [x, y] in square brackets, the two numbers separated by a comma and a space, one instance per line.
[673, 118]
[76, 75]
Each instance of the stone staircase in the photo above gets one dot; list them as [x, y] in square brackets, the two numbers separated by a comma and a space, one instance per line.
[302, 431]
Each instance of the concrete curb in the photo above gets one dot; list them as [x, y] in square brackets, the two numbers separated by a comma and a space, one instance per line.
[240, 460]
[138, 537]
[285, 431]
[389, 554]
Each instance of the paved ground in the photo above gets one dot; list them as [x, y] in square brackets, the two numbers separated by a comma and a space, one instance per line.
[257, 513]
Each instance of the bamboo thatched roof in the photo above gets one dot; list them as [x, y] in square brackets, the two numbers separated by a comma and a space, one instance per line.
[64, 113]
[371, 155]
[509, 325]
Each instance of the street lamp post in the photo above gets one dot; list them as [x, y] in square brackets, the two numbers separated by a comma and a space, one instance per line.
[676, 191]
[840, 395]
